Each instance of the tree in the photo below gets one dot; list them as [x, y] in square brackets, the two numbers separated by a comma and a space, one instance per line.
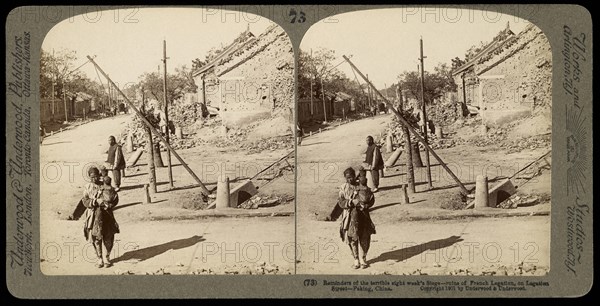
[178, 84]
[61, 69]
[321, 66]
[58, 68]
[436, 83]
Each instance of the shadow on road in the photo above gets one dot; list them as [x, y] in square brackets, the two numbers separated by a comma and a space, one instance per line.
[394, 204]
[126, 205]
[312, 144]
[397, 186]
[54, 143]
[132, 187]
[134, 175]
[149, 252]
[406, 253]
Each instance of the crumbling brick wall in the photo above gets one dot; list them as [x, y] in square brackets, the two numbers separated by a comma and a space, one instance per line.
[518, 75]
[257, 81]
[527, 69]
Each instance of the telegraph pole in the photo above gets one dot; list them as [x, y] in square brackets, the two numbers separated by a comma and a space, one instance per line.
[464, 92]
[53, 81]
[65, 102]
[311, 90]
[425, 117]
[109, 96]
[323, 96]
[369, 94]
[166, 112]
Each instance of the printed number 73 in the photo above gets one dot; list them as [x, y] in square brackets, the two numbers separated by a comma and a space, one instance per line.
[301, 16]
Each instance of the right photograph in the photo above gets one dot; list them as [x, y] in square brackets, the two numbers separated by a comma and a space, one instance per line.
[424, 144]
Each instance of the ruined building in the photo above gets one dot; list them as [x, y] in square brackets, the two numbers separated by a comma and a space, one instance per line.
[510, 78]
[250, 79]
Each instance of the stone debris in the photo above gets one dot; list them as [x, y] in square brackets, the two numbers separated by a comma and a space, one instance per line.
[453, 200]
[503, 270]
[519, 200]
[468, 132]
[202, 124]
[258, 201]
[261, 268]
[160, 271]
[210, 132]
[203, 271]
[197, 200]
[123, 272]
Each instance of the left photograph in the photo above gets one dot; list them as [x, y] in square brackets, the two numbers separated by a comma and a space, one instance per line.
[167, 144]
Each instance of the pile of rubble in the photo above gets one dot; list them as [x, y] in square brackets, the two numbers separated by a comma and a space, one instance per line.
[453, 201]
[499, 137]
[444, 113]
[195, 201]
[274, 143]
[210, 131]
[258, 269]
[523, 200]
[259, 201]
[398, 135]
[519, 269]
[187, 114]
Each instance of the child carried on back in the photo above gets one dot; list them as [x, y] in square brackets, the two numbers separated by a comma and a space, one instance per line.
[363, 193]
[109, 195]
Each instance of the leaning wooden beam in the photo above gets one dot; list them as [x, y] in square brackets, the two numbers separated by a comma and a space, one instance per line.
[405, 123]
[154, 130]
[271, 165]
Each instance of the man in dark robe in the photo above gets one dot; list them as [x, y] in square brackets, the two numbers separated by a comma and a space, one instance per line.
[374, 161]
[115, 160]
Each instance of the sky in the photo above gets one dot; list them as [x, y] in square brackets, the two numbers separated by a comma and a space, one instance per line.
[385, 42]
[129, 42]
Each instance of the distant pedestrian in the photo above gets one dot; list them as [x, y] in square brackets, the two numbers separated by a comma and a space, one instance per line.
[299, 134]
[115, 161]
[162, 121]
[374, 161]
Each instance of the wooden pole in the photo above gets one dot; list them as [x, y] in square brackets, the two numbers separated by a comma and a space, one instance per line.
[151, 165]
[203, 91]
[429, 185]
[145, 121]
[464, 92]
[410, 170]
[109, 96]
[311, 91]
[53, 99]
[412, 130]
[53, 81]
[167, 113]
[369, 94]
[323, 96]
[65, 102]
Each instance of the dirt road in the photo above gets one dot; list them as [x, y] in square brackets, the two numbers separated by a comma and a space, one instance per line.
[219, 246]
[432, 247]
[323, 157]
[65, 158]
